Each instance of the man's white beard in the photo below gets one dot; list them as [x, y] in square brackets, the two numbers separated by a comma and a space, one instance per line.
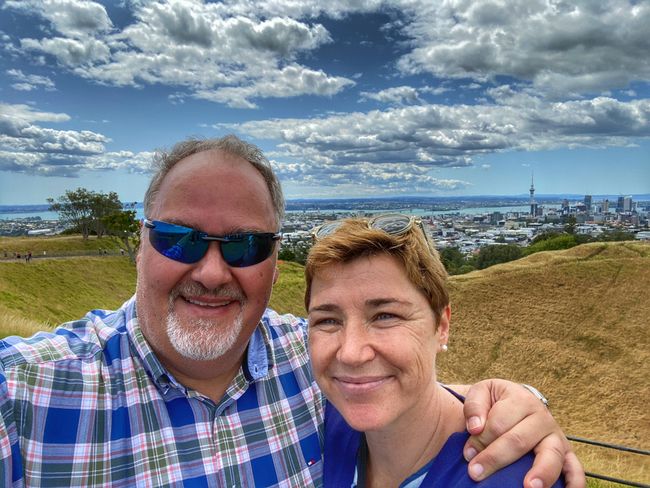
[202, 339]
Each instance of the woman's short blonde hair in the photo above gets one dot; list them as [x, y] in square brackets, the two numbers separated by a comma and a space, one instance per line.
[354, 239]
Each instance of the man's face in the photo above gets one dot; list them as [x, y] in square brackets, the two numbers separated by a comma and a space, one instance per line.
[206, 310]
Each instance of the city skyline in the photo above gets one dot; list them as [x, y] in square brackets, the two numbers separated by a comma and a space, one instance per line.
[374, 99]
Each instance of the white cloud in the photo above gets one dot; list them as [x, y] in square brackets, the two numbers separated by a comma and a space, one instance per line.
[70, 52]
[366, 178]
[74, 18]
[16, 117]
[399, 95]
[25, 146]
[138, 163]
[239, 52]
[233, 48]
[290, 81]
[211, 50]
[405, 144]
[30, 82]
[560, 47]
[69, 165]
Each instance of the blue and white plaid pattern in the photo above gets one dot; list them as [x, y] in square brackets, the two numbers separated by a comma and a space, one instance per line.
[90, 405]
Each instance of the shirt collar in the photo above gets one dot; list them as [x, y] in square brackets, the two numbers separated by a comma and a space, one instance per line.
[259, 355]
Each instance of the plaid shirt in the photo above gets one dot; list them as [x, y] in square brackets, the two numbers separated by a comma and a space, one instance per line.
[91, 405]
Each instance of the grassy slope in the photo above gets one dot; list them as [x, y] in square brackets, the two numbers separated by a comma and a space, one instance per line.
[56, 245]
[574, 323]
[51, 291]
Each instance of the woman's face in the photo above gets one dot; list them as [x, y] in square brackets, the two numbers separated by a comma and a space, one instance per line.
[373, 342]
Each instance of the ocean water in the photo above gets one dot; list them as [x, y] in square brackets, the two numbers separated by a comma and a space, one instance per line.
[32, 211]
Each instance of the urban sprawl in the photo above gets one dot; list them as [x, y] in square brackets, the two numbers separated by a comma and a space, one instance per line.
[448, 228]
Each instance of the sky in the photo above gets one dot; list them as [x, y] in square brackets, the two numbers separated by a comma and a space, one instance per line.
[363, 98]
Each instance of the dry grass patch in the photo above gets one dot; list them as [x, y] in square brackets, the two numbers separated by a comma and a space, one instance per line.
[575, 324]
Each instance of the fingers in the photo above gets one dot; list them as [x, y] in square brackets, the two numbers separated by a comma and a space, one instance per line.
[506, 422]
[496, 448]
[549, 458]
[574, 473]
[507, 413]
[478, 401]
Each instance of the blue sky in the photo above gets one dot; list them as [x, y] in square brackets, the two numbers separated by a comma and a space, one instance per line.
[364, 98]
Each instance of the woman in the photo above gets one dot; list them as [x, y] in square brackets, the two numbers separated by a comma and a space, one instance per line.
[378, 316]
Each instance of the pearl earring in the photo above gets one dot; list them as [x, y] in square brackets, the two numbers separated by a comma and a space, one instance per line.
[444, 348]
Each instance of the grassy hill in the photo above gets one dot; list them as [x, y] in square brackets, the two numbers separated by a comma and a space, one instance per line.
[574, 323]
[56, 245]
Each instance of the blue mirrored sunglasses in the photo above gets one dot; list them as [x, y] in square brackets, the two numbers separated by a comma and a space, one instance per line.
[188, 245]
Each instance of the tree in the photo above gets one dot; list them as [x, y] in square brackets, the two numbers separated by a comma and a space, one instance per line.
[84, 209]
[616, 235]
[103, 205]
[570, 225]
[495, 254]
[552, 243]
[125, 228]
[454, 260]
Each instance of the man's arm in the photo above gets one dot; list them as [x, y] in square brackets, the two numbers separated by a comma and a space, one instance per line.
[507, 421]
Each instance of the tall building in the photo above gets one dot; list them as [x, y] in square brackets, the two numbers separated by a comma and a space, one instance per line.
[533, 204]
[619, 205]
[627, 204]
[606, 206]
[587, 201]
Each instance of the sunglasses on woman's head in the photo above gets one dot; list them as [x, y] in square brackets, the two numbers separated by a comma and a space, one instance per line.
[393, 224]
[188, 245]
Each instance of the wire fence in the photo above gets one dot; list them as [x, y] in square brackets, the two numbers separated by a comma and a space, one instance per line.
[616, 447]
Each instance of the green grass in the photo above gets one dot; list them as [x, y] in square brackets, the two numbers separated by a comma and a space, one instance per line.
[289, 291]
[47, 292]
[51, 291]
[56, 245]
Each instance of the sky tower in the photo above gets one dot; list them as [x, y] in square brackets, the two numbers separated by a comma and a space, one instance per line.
[533, 204]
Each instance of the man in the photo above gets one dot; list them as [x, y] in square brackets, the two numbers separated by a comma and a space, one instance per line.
[193, 382]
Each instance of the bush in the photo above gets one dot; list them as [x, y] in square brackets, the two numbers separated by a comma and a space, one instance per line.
[553, 243]
[496, 254]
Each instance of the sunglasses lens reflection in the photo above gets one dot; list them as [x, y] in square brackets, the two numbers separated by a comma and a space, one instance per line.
[251, 249]
[188, 246]
[392, 224]
[177, 242]
[327, 229]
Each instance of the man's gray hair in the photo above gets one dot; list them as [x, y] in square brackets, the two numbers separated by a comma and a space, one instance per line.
[164, 161]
